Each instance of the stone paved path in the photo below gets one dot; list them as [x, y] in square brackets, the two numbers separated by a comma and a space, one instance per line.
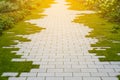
[61, 50]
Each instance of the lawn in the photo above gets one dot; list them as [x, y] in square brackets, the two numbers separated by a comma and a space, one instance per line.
[9, 36]
[106, 32]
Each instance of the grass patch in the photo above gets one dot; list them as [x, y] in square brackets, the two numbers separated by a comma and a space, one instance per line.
[76, 5]
[6, 56]
[103, 31]
[9, 36]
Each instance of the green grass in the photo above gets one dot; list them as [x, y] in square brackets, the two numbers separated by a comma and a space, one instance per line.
[76, 5]
[8, 37]
[103, 32]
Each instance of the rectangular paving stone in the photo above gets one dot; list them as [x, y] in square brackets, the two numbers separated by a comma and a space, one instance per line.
[85, 56]
[39, 62]
[36, 78]
[105, 70]
[46, 74]
[57, 57]
[63, 74]
[73, 78]
[38, 70]
[54, 70]
[18, 60]
[116, 62]
[7, 74]
[63, 66]
[95, 66]
[112, 66]
[113, 74]
[117, 70]
[55, 62]
[81, 74]
[89, 70]
[79, 66]
[72, 70]
[48, 60]
[54, 78]
[99, 74]
[62, 60]
[17, 78]
[28, 74]
[47, 66]
[71, 63]
[91, 78]
[102, 63]
[71, 57]
[110, 78]
[89, 63]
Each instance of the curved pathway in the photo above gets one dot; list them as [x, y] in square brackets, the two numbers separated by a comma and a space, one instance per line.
[61, 50]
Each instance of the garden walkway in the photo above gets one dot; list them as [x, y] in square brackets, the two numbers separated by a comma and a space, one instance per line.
[61, 50]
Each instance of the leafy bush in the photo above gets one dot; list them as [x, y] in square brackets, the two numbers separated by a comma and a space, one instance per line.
[7, 7]
[115, 29]
[12, 11]
[6, 22]
[109, 9]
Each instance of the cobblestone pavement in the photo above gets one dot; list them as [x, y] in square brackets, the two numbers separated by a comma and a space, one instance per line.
[61, 50]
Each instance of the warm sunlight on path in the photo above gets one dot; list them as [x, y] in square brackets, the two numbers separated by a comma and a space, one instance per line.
[61, 50]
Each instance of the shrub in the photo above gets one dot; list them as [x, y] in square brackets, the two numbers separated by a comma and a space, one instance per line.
[6, 22]
[7, 7]
[110, 9]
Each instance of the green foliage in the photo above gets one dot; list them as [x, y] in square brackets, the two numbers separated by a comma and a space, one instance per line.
[11, 12]
[110, 9]
[7, 7]
[6, 22]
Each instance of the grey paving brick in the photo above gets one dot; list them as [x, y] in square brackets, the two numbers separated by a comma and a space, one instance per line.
[38, 70]
[79, 66]
[81, 74]
[99, 74]
[47, 66]
[54, 78]
[28, 74]
[95, 66]
[113, 74]
[54, 62]
[89, 70]
[54, 70]
[17, 78]
[91, 78]
[112, 66]
[63, 74]
[117, 70]
[63, 66]
[7, 74]
[72, 70]
[36, 78]
[46, 74]
[110, 78]
[105, 70]
[73, 78]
